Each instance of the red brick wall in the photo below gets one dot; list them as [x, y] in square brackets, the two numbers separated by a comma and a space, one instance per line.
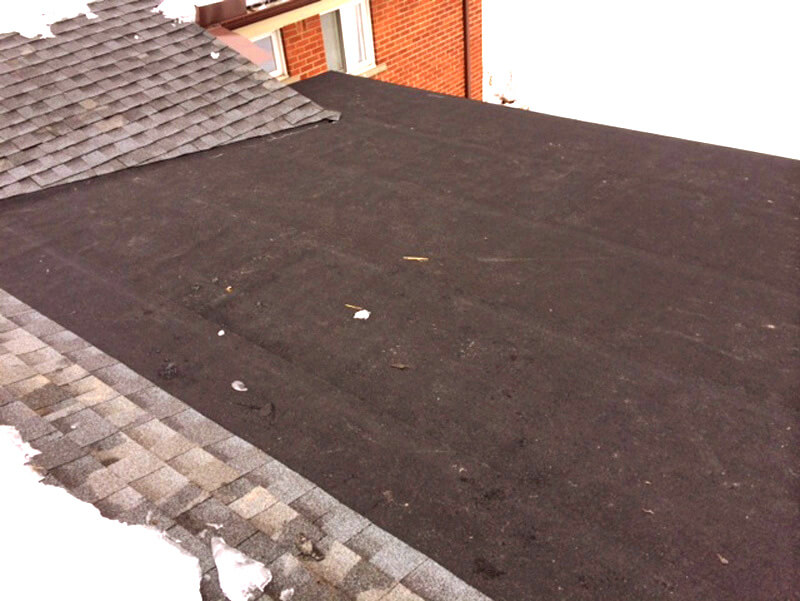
[422, 44]
[420, 41]
[304, 48]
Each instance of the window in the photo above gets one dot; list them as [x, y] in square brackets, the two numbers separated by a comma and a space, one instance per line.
[347, 33]
[271, 43]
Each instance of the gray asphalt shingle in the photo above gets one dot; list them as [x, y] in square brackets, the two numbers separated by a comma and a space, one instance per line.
[73, 104]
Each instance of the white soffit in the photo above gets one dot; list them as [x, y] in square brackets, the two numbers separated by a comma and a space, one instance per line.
[267, 26]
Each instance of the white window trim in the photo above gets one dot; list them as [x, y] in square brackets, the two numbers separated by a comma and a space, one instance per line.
[280, 56]
[348, 42]
[289, 17]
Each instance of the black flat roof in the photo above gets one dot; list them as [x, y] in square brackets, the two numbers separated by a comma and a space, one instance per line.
[602, 350]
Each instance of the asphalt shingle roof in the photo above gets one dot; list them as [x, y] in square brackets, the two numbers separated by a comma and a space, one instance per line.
[125, 89]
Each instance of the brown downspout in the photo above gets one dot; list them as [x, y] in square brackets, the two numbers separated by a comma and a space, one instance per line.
[467, 59]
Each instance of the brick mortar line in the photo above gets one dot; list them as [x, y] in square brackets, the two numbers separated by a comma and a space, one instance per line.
[119, 441]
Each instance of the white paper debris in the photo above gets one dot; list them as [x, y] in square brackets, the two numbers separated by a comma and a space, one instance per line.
[239, 386]
[240, 577]
[362, 314]
[33, 18]
[86, 556]
[221, 333]
[287, 594]
[215, 55]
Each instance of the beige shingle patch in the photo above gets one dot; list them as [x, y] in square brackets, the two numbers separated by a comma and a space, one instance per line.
[59, 410]
[97, 392]
[12, 369]
[338, 561]
[160, 484]
[272, 521]
[125, 458]
[120, 411]
[66, 375]
[27, 386]
[160, 439]
[22, 343]
[111, 123]
[253, 503]
[202, 468]
[401, 593]
[45, 359]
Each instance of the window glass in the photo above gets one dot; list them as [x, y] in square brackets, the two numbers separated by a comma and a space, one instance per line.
[362, 46]
[267, 46]
[332, 37]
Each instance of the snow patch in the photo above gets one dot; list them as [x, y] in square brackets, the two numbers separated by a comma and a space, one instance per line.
[33, 18]
[58, 547]
[181, 10]
[14, 451]
[240, 577]
[287, 594]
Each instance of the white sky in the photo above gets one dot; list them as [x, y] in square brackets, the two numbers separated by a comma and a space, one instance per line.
[724, 72]
[182, 10]
[33, 18]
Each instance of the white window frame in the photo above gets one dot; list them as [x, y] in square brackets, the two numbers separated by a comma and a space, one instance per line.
[348, 20]
[280, 56]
